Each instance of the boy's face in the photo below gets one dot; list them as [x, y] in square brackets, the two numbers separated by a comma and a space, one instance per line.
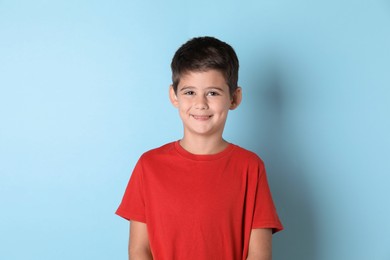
[203, 101]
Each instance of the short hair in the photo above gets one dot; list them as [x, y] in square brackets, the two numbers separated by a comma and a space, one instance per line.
[203, 54]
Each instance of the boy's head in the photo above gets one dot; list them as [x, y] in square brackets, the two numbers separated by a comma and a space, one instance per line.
[203, 54]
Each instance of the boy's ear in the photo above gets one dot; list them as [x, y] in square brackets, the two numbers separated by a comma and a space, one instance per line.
[172, 96]
[236, 98]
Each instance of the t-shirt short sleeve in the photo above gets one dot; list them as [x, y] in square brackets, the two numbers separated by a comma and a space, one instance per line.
[265, 214]
[132, 206]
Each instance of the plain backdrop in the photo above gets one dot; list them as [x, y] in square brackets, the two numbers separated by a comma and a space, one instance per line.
[84, 92]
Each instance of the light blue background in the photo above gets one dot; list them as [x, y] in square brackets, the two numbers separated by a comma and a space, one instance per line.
[84, 89]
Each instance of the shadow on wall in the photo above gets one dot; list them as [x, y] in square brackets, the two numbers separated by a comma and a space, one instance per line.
[285, 165]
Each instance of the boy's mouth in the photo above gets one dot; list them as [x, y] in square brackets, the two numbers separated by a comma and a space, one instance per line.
[201, 117]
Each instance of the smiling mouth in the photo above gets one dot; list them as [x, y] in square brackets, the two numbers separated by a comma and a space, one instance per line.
[201, 118]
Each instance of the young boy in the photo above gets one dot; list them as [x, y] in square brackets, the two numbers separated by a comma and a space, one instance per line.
[201, 197]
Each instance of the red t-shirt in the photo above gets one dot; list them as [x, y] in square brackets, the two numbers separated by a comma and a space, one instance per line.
[199, 206]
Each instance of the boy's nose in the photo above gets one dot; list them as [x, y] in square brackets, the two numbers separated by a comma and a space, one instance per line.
[201, 102]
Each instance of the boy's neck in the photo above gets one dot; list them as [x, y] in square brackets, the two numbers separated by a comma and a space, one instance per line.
[203, 145]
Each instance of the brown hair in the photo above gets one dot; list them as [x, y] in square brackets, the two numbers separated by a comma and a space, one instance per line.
[202, 54]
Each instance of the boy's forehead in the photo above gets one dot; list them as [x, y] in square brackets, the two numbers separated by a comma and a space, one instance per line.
[213, 77]
[186, 72]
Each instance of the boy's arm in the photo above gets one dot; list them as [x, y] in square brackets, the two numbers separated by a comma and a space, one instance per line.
[139, 248]
[260, 244]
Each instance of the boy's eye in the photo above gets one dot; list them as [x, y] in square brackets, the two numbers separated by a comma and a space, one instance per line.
[213, 93]
[190, 92]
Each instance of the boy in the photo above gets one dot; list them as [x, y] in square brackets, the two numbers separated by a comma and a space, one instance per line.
[201, 197]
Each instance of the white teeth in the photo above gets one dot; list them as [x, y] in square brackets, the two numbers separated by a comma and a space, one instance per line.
[200, 117]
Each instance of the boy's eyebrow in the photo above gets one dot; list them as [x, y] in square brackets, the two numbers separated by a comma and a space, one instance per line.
[217, 88]
[207, 88]
[185, 88]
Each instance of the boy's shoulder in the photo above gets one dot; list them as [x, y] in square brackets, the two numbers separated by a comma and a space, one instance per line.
[248, 154]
